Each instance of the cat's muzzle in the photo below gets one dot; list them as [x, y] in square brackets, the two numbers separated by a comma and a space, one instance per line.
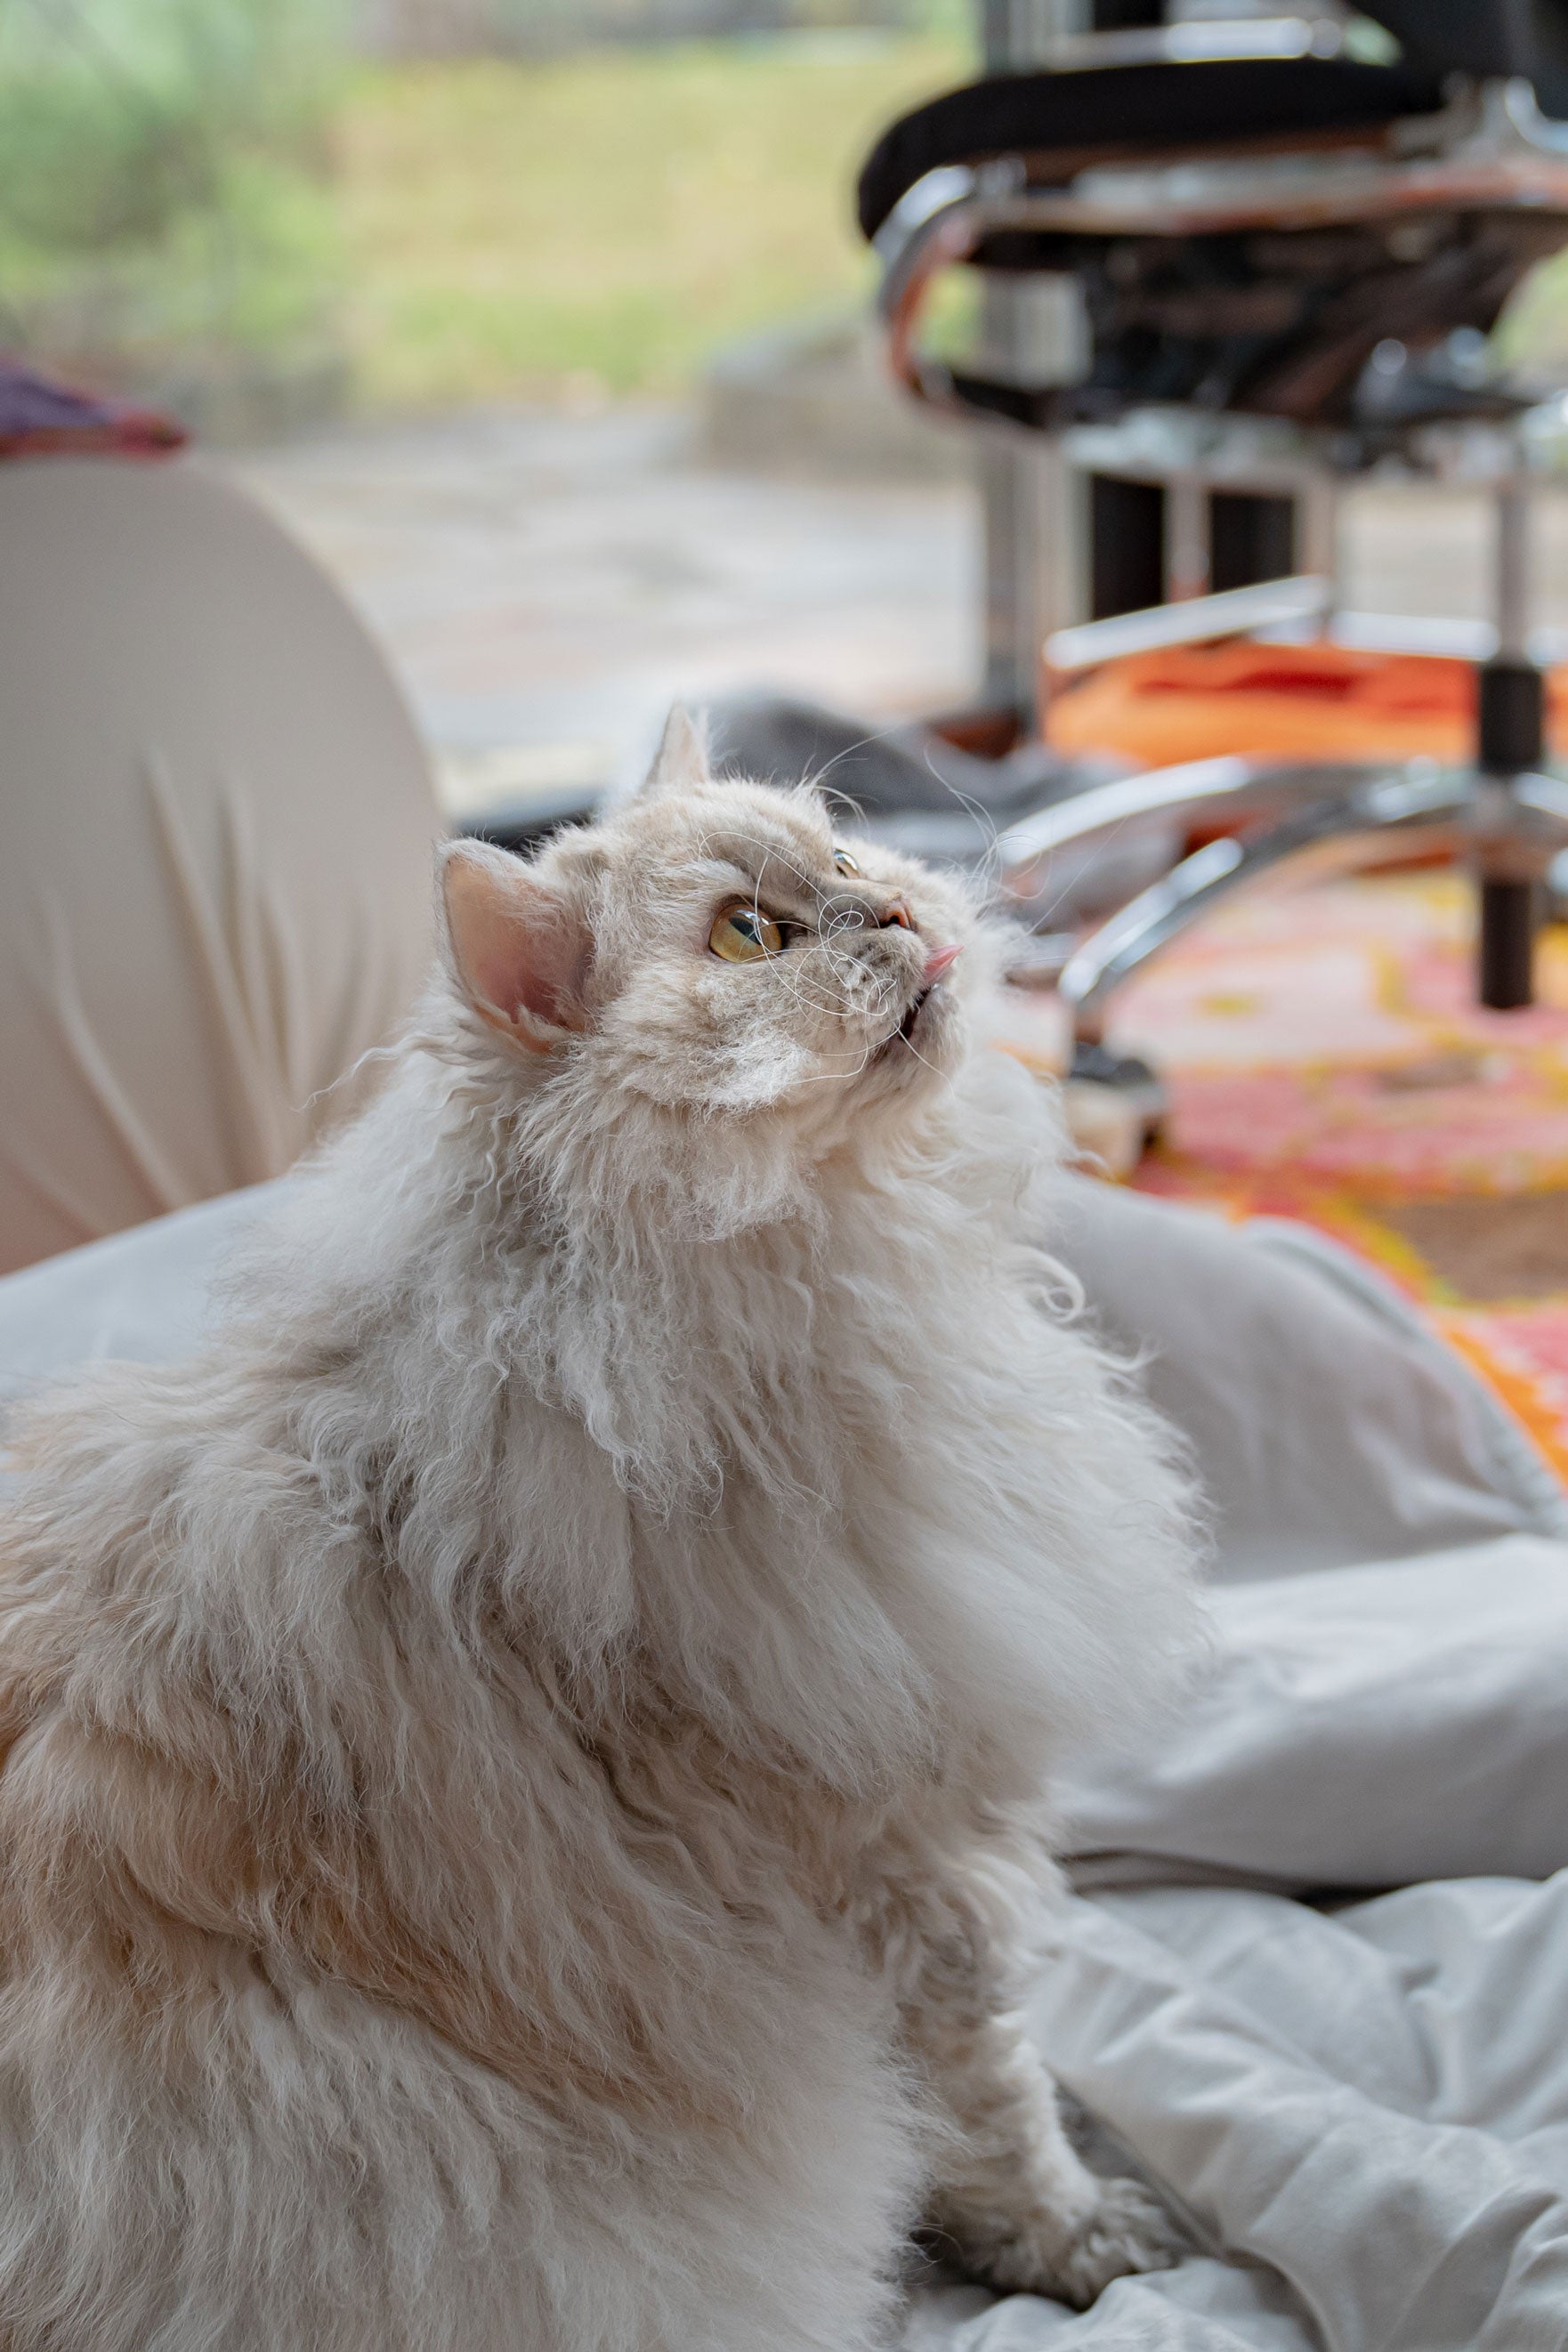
[938, 963]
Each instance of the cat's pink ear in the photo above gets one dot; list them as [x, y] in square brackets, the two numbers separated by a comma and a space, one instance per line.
[680, 763]
[520, 947]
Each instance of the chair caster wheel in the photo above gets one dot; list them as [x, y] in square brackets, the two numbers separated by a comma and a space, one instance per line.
[1116, 1106]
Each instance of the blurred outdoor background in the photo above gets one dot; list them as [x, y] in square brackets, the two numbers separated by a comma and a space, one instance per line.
[541, 320]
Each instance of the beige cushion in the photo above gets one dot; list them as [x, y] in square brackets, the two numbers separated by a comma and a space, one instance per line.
[215, 835]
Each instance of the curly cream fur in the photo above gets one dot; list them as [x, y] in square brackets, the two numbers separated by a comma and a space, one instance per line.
[520, 1821]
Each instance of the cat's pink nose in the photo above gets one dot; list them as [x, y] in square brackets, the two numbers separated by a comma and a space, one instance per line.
[939, 960]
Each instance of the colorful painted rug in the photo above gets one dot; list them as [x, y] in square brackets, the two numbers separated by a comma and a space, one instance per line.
[1326, 1061]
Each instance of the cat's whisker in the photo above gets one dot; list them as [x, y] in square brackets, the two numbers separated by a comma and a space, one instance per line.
[989, 864]
[815, 778]
[769, 850]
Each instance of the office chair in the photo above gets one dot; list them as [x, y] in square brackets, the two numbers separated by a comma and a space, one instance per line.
[1288, 236]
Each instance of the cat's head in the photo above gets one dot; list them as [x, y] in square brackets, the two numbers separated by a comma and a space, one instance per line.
[714, 947]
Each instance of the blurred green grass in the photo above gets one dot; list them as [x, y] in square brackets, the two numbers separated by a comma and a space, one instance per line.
[191, 190]
[194, 186]
[161, 176]
[194, 190]
[603, 223]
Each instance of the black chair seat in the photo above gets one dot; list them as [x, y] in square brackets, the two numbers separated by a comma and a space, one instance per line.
[1060, 122]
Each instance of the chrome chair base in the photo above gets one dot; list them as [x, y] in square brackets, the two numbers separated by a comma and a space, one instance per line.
[1284, 824]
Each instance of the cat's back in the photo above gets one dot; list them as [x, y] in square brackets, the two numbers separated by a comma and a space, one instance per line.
[326, 1928]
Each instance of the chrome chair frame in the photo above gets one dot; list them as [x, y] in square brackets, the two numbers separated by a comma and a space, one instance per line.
[1288, 821]
[1490, 146]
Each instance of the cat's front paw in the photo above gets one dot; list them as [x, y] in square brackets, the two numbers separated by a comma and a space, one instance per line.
[1125, 2230]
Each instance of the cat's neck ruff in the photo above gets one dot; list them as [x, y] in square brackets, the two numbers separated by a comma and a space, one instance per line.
[701, 1302]
[805, 1444]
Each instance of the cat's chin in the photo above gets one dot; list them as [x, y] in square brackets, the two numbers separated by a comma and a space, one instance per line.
[924, 1038]
[911, 1019]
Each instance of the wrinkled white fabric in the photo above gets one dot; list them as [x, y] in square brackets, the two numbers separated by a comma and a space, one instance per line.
[143, 1296]
[1362, 2108]
[1329, 1425]
[215, 835]
[1358, 1727]
[1265, 2087]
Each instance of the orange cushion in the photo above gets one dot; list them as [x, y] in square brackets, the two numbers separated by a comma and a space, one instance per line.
[1323, 701]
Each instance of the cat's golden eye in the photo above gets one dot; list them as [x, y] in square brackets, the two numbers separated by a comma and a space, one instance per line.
[845, 863]
[742, 935]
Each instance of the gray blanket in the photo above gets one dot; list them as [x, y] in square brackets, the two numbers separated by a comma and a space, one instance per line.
[1314, 1975]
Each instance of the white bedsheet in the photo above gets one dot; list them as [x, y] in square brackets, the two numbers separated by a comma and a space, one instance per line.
[1359, 2102]
[1366, 2114]
[1358, 2098]
[1362, 2104]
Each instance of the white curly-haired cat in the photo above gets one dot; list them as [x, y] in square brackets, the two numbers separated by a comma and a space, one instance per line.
[522, 1761]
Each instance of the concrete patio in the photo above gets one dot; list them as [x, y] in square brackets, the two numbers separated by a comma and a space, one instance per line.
[545, 585]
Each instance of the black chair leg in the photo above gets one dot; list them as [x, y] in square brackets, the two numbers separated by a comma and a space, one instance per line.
[1506, 976]
[1511, 736]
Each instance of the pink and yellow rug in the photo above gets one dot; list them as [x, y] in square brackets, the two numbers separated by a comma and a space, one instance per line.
[1325, 1061]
